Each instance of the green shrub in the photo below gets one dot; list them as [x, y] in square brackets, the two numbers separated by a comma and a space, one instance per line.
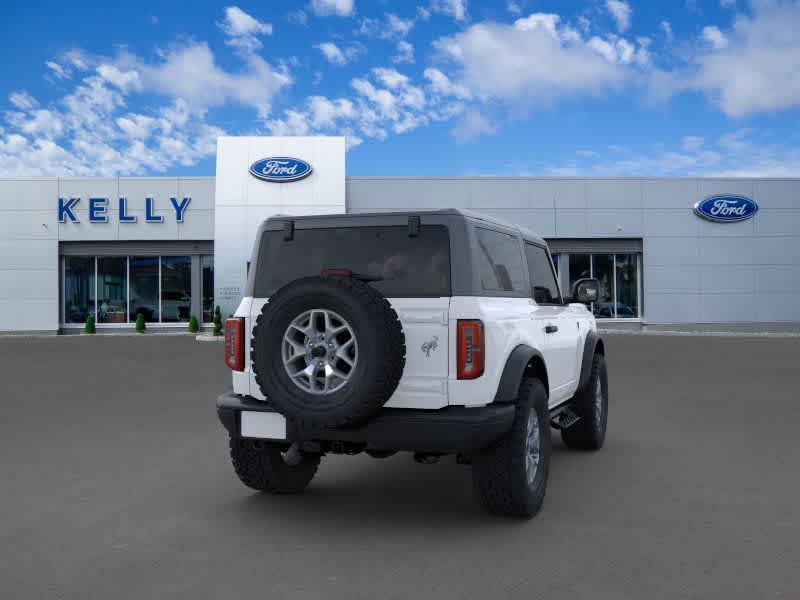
[140, 324]
[89, 327]
[217, 321]
[193, 325]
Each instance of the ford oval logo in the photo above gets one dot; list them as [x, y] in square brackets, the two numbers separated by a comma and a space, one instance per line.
[280, 169]
[726, 209]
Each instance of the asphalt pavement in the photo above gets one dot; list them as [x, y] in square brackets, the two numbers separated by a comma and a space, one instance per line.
[115, 483]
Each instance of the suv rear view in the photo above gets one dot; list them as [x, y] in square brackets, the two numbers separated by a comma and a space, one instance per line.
[395, 332]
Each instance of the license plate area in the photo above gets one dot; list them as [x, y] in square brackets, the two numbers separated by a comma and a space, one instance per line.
[263, 425]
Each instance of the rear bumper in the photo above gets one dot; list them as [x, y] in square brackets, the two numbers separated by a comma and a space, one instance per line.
[446, 430]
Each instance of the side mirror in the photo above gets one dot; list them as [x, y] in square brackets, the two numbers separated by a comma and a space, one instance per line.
[585, 291]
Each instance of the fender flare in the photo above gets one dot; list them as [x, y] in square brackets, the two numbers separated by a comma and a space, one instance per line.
[514, 371]
[592, 344]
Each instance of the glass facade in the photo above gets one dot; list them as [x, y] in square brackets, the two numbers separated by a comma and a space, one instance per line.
[176, 289]
[619, 276]
[79, 288]
[112, 289]
[116, 289]
[207, 271]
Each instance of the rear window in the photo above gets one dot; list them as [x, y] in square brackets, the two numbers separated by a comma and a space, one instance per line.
[408, 266]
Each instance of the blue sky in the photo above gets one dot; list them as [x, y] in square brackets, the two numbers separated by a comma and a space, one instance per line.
[438, 87]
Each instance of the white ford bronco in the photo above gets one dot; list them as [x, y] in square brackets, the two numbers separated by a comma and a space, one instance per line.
[438, 333]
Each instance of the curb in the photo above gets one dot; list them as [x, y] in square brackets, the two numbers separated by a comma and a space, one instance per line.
[210, 338]
[731, 334]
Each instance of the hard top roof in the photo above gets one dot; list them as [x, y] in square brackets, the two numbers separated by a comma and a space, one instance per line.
[456, 212]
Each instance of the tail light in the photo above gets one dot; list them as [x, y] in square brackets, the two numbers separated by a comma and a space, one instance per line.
[471, 349]
[234, 344]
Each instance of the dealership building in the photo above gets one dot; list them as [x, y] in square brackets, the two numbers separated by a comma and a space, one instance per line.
[667, 251]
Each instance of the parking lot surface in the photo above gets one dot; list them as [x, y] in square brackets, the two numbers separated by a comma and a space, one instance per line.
[115, 483]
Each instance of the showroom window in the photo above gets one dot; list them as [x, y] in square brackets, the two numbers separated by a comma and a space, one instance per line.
[619, 277]
[115, 290]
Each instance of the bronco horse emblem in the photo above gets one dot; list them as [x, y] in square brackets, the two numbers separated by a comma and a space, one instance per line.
[430, 346]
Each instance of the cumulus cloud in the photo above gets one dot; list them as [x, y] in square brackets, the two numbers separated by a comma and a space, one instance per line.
[336, 55]
[385, 101]
[243, 29]
[339, 8]
[756, 66]
[453, 8]
[621, 12]
[405, 52]
[537, 59]
[715, 37]
[91, 131]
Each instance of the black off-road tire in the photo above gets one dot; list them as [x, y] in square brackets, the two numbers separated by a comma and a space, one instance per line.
[589, 432]
[379, 337]
[498, 473]
[261, 465]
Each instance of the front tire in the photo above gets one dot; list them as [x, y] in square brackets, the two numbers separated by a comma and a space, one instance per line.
[591, 405]
[270, 467]
[510, 477]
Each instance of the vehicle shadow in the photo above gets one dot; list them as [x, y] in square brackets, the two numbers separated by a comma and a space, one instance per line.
[351, 492]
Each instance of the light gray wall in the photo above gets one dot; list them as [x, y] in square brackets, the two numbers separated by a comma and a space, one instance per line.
[30, 233]
[695, 271]
[28, 255]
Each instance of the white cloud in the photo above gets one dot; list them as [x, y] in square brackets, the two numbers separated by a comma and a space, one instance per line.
[666, 27]
[715, 37]
[336, 55]
[91, 130]
[398, 27]
[339, 8]
[441, 84]
[536, 60]
[514, 8]
[405, 53]
[22, 100]
[59, 71]
[473, 124]
[758, 70]
[621, 11]
[727, 3]
[243, 29]
[385, 101]
[453, 8]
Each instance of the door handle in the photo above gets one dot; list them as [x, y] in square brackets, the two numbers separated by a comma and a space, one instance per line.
[550, 328]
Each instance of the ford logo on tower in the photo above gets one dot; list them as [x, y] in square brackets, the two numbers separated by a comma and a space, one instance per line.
[726, 209]
[280, 169]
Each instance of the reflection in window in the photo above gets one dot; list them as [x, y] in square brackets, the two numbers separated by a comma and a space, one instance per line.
[207, 268]
[579, 267]
[78, 288]
[627, 286]
[176, 289]
[144, 287]
[603, 271]
[112, 277]
[500, 261]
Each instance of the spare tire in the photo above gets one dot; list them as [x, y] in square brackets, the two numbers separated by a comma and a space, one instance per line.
[328, 351]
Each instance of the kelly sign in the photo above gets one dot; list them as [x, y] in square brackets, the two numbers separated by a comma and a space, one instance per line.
[98, 210]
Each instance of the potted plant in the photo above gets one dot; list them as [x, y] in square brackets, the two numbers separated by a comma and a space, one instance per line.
[217, 321]
[89, 327]
[194, 327]
[140, 324]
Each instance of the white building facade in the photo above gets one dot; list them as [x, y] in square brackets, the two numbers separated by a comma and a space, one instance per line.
[169, 248]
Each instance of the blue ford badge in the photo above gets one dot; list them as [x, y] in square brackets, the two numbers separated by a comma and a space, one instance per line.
[280, 169]
[726, 209]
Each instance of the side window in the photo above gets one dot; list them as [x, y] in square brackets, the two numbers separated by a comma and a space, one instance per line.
[500, 262]
[544, 289]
